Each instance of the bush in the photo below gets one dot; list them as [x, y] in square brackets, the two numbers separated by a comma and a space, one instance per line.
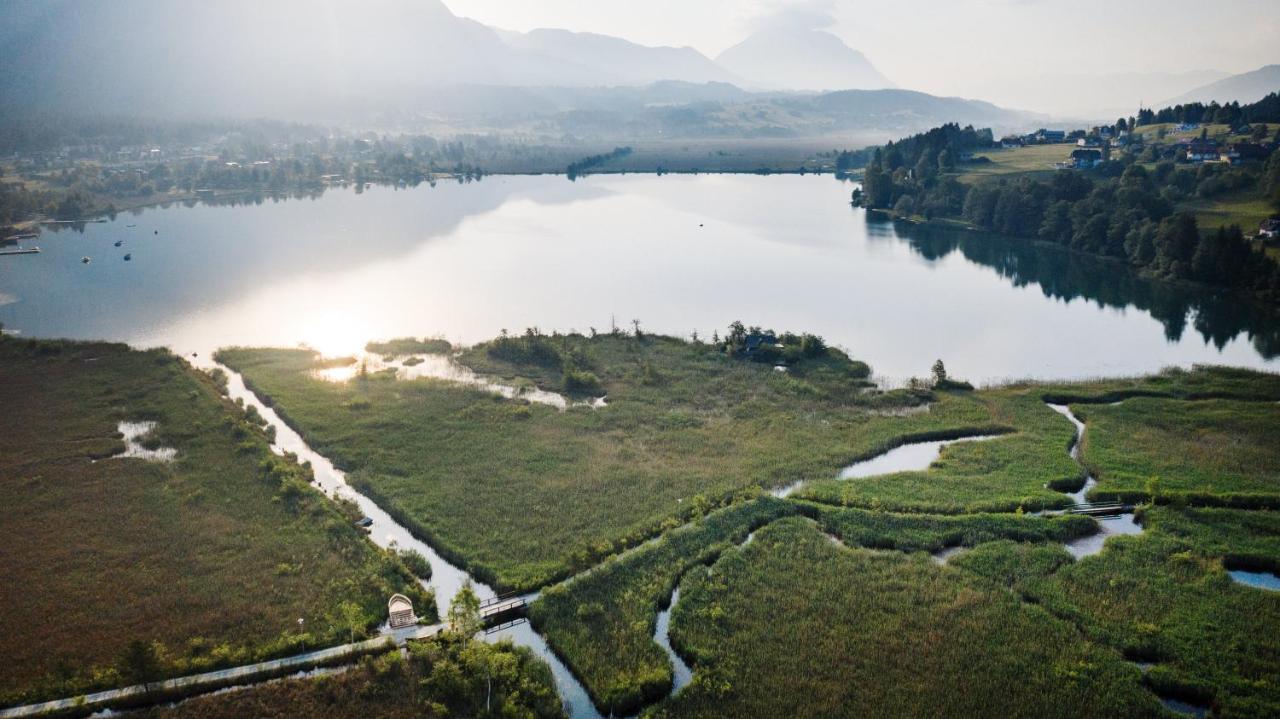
[578, 381]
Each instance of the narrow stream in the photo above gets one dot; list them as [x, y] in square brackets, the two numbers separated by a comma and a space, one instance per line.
[1107, 526]
[681, 673]
[446, 579]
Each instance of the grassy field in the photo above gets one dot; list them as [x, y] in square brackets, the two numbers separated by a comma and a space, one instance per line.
[215, 556]
[796, 625]
[1037, 160]
[1164, 597]
[1212, 451]
[997, 475]
[440, 678]
[602, 622]
[1222, 133]
[1245, 209]
[686, 427]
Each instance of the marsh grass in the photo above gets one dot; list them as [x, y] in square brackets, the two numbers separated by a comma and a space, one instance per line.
[1023, 470]
[1165, 597]
[214, 555]
[602, 622]
[439, 678]
[409, 346]
[1175, 451]
[686, 424]
[795, 625]
[933, 533]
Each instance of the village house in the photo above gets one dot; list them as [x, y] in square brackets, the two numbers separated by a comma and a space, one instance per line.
[1269, 229]
[1085, 159]
[1238, 152]
[1202, 150]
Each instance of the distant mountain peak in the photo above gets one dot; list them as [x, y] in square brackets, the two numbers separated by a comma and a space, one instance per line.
[1243, 88]
[797, 58]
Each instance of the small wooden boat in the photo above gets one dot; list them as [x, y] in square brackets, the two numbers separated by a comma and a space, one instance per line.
[128, 257]
[119, 242]
[86, 259]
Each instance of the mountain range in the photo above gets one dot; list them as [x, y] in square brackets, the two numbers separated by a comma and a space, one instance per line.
[295, 58]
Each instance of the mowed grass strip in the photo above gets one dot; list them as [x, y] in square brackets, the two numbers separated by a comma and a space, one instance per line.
[602, 622]
[215, 556]
[1206, 452]
[1165, 597]
[794, 624]
[524, 494]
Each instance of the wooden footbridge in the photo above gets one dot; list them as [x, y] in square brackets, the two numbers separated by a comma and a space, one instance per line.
[1101, 509]
[503, 608]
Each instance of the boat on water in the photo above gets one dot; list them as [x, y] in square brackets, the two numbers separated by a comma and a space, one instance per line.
[21, 251]
[128, 257]
[130, 225]
[86, 259]
[119, 242]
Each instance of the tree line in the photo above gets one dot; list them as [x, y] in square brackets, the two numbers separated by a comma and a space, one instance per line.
[1265, 110]
[1122, 209]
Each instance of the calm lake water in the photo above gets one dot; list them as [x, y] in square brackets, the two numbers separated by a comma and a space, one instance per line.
[681, 253]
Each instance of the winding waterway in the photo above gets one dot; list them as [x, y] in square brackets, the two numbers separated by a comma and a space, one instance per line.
[446, 579]
[1120, 524]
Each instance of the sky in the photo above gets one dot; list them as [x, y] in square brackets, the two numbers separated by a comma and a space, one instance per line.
[947, 47]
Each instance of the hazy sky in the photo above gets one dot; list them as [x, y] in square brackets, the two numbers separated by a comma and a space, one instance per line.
[944, 46]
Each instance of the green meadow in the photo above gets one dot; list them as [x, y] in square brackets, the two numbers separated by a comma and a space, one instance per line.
[602, 622]
[210, 559]
[794, 624]
[1215, 451]
[665, 479]
[1164, 598]
[686, 428]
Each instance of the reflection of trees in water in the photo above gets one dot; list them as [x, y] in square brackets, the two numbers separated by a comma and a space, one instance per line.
[1064, 275]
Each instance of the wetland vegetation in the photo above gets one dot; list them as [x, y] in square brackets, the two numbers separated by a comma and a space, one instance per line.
[795, 624]
[220, 551]
[1015, 599]
[438, 678]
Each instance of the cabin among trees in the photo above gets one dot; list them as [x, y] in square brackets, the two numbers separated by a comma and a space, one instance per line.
[400, 610]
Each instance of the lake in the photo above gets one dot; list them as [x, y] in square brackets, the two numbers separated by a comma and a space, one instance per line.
[679, 253]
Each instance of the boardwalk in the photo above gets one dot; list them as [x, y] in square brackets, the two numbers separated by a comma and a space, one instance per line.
[139, 694]
[493, 609]
[1101, 509]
